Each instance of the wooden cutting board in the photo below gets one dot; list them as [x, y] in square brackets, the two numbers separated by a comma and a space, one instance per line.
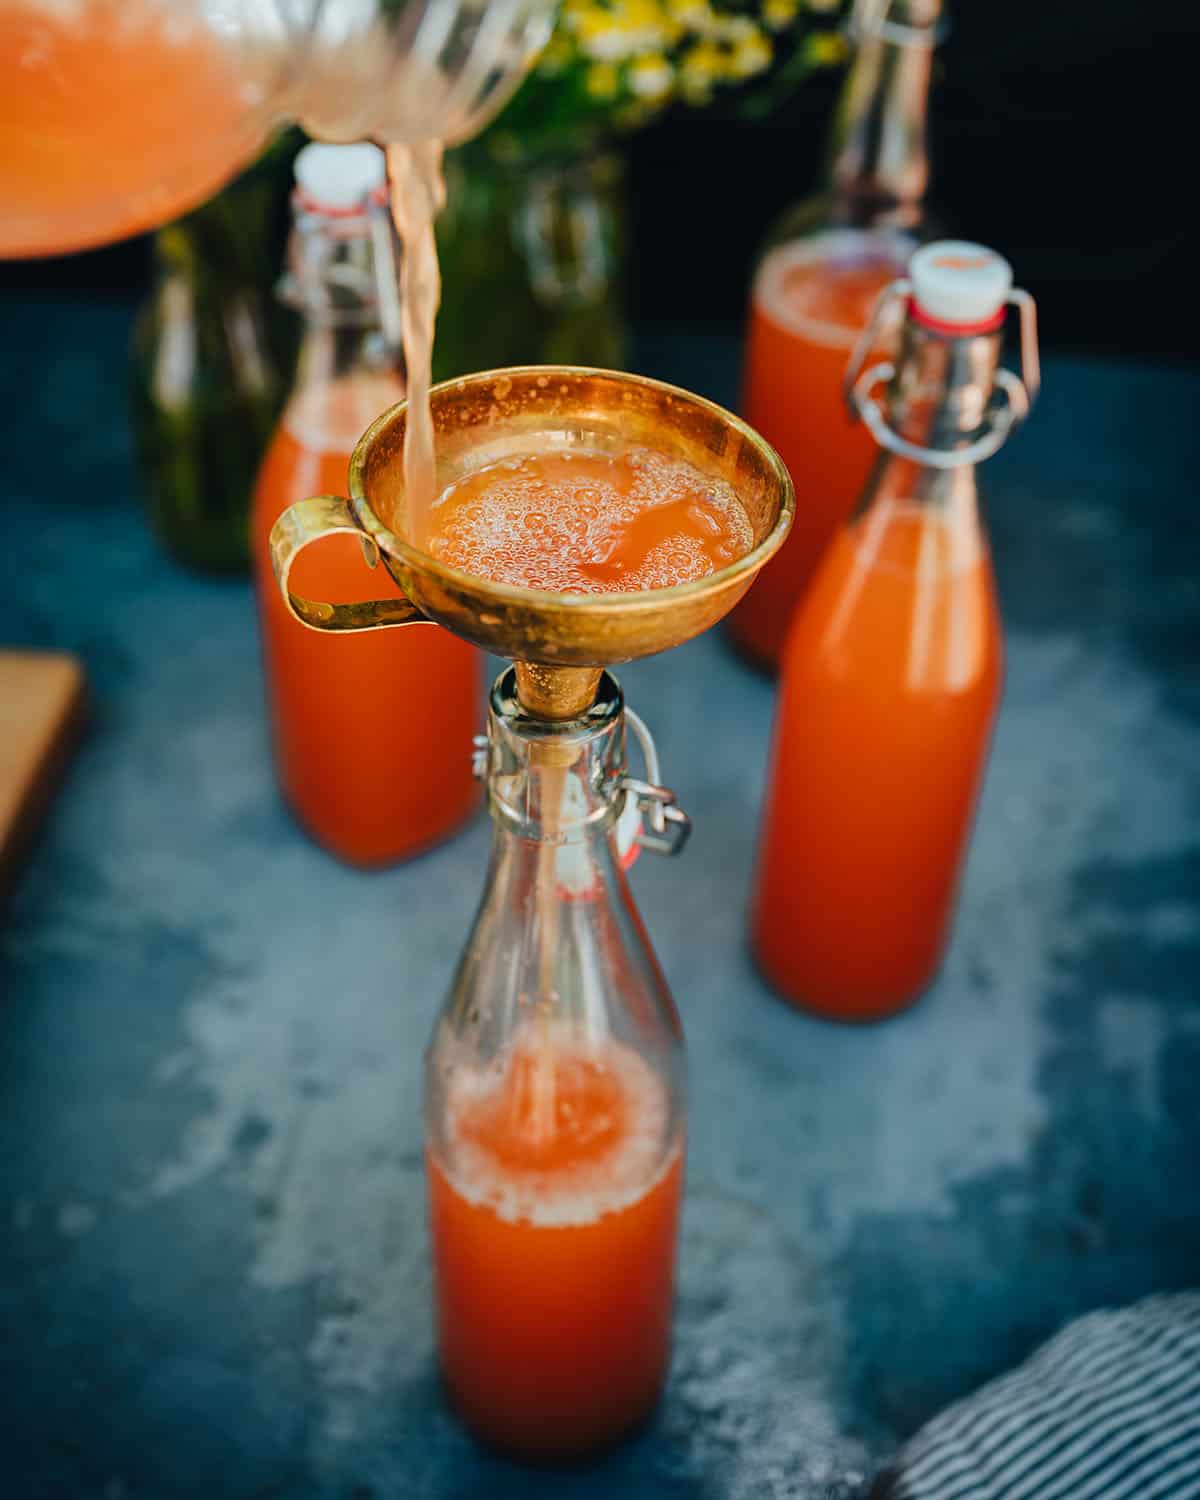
[41, 712]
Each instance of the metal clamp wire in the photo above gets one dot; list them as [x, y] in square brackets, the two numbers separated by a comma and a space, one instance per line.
[670, 825]
[1002, 419]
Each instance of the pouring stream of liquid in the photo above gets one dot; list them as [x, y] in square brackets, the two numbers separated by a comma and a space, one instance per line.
[418, 194]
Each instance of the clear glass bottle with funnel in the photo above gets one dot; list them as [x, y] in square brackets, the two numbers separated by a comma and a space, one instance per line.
[555, 1110]
[555, 1116]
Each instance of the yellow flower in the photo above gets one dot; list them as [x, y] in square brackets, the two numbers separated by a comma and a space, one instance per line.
[736, 28]
[732, 27]
[621, 30]
[826, 47]
[571, 14]
[555, 56]
[702, 66]
[779, 14]
[637, 54]
[603, 81]
[651, 77]
[750, 56]
[696, 15]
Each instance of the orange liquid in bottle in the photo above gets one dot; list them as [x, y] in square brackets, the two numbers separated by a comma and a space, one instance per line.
[554, 1240]
[372, 731]
[115, 115]
[890, 682]
[590, 523]
[809, 305]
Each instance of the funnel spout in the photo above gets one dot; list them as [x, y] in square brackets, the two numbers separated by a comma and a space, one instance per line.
[556, 693]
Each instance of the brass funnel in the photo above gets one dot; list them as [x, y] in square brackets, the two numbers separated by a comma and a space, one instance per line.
[559, 641]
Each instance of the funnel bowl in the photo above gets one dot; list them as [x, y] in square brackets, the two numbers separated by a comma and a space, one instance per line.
[484, 419]
[559, 640]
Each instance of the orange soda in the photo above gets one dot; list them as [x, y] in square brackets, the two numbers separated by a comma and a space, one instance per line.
[891, 680]
[372, 731]
[586, 522]
[115, 115]
[554, 1239]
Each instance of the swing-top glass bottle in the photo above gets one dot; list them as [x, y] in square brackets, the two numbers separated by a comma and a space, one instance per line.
[372, 730]
[891, 673]
[555, 1115]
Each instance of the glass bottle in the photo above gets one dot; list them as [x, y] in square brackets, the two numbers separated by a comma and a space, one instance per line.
[554, 1108]
[212, 359]
[533, 261]
[891, 674]
[372, 731]
[814, 289]
[118, 115]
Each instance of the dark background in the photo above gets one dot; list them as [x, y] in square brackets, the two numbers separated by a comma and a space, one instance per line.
[1064, 133]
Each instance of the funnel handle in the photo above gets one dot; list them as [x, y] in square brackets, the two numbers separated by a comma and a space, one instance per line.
[308, 521]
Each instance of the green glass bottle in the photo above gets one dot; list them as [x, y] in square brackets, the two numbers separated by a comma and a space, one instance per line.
[213, 354]
[532, 258]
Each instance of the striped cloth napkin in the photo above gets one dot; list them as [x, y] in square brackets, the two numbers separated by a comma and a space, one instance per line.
[1109, 1409]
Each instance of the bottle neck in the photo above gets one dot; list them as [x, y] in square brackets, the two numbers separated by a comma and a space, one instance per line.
[557, 964]
[937, 399]
[553, 785]
[878, 150]
[336, 283]
[330, 353]
[939, 395]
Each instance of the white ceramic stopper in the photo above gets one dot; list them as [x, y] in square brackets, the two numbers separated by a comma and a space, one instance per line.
[954, 281]
[338, 178]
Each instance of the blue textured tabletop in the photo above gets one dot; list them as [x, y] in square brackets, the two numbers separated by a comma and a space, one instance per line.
[213, 1273]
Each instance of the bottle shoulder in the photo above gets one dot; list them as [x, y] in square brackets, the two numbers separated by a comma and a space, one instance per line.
[331, 415]
[310, 449]
[822, 286]
[828, 213]
[904, 603]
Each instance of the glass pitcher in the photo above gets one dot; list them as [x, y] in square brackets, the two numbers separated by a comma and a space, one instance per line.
[117, 115]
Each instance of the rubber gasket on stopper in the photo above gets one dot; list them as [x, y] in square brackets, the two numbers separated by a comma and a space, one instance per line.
[952, 330]
[959, 287]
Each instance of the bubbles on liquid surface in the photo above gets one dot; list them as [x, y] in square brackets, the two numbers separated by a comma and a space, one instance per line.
[554, 1133]
[591, 523]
